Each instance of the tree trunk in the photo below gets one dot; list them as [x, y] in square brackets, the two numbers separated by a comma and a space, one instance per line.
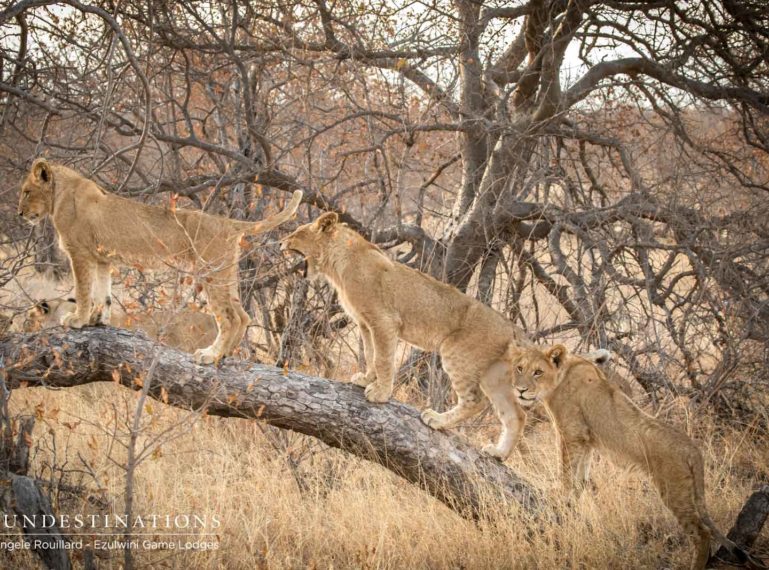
[466, 248]
[337, 413]
[24, 498]
[473, 107]
[748, 525]
[21, 495]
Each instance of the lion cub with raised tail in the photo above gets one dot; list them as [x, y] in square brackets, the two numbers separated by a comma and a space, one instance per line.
[98, 229]
[390, 301]
[589, 412]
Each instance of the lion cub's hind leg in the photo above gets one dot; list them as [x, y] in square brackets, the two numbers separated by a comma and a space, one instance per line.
[241, 320]
[681, 486]
[84, 272]
[576, 457]
[680, 501]
[700, 534]
[469, 403]
[227, 322]
[101, 311]
[465, 380]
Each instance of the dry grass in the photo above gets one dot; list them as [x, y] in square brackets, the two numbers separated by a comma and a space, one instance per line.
[285, 501]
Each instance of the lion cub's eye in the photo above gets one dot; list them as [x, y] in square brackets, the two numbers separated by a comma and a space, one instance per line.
[538, 373]
[519, 369]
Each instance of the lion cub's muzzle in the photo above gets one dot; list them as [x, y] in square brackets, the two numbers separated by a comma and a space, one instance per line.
[525, 396]
[31, 218]
[286, 248]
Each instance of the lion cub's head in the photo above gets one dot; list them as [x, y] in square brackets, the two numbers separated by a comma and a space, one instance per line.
[536, 373]
[47, 313]
[36, 200]
[312, 240]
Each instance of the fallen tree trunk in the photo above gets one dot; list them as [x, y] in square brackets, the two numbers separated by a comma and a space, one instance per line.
[391, 434]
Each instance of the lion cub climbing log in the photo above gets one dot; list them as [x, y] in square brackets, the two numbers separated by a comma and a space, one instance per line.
[589, 412]
[98, 229]
[390, 301]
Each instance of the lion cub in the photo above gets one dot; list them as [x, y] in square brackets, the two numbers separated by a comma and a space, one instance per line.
[390, 301]
[183, 329]
[98, 229]
[589, 412]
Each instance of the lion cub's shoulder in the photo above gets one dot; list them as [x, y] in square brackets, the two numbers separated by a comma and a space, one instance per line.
[357, 249]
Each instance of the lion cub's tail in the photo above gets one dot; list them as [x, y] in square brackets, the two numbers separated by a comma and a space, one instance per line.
[253, 228]
[740, 554]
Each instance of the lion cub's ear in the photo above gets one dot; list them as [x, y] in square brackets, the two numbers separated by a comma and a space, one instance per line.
[41, 171]
[327, 221]
[556, 355]
[600, 356]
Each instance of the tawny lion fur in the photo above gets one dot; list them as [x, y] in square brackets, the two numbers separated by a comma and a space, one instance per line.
[390, 301]
[589, 412]
[98, 229]
[185, 330]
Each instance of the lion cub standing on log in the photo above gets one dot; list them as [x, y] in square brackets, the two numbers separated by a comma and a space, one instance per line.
[589, 412]
[389, 301]
[98, 229]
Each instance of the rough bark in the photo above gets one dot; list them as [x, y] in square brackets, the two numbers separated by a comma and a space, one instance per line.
[24, 498]
[391, 434]
[477, 229]
[18, 462]
[473, 106]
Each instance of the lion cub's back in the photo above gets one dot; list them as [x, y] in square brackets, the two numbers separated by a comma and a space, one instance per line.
[428, 309]
[185, 330]
[164, 233]
[127, 230]
[632, 435]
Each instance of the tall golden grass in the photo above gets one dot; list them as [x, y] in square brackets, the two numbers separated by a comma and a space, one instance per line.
[286, 501]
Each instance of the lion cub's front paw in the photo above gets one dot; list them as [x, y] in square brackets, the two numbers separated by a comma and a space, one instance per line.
[71, 320]
[433, 419]
[378, 392]
[206, 356]
[361, 379]
[494, 451]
